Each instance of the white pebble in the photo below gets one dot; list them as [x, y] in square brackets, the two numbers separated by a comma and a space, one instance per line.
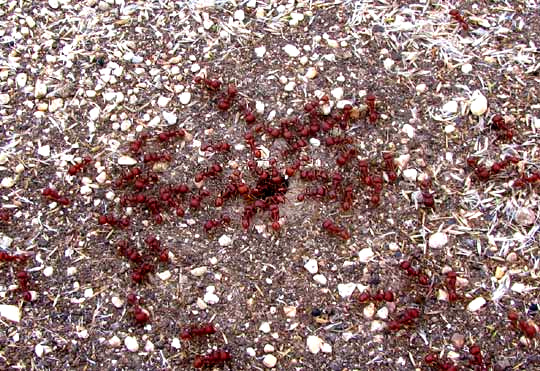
[101, 178]
[337, 93]
[210, 298]
[165, 275]
[126, 160]
[479, 104]
[7, 182]
[269, 360]
[117, 302]
[365, 255]
[315, 142]
[311, 73]
[170, 117]
[332, 43]
[291, 50]
[268, 348]
[326, 348]
[41, 350]
[94, 113]
[260, 51]
[4, 99]
[54, 4]
[382, 313]
[408, 130]
[48, 271]
[251, 352]
[525, 216]
[185, 97]
[44, 151]
[163, 101]
[314, 344]
[388, 63]
[131, 343]
[265, 327]
[450, 107]
[402, 161]
[40, 89]
[438, 240]
[466, 68]
[377, 326]
[239, 15]
[199, 271]
[311, 266]
[259, 107]
[369, 310]
[86, 190]
[10, 312]
[421, 88]
[290, 311]
[114, 342]
[289, 86]
[137, 59]
[320, 279]
[83, 334]
[225, 240]
[71, 271]
[149, 347]
[21, 80]
[175, 343]
[346, 289]
[410, 175]
[476, 304]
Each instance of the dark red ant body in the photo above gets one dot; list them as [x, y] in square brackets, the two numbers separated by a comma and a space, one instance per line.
[456, 15]
[197, 331]
[215, 358]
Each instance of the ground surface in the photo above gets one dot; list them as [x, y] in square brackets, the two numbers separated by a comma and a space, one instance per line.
[86, 78]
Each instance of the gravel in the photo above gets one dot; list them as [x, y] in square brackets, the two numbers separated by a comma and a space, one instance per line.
[86, 79]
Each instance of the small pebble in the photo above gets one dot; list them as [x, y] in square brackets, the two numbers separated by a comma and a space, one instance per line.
[268, 348]
[21, 79]
[337, 93]
[525, 216]
[7, 182]
[314, 344]
[260, 51]
[311, 73]
[117, 302]
[450, 107]
[10, 312]
[54, 4]
[265, 327]
[131, 343]
[44, 151]
[126, 160]
[438, 240]
[185, 97]
[458, 340]
[410, 175]
[382, 313]
[225, 240]
[326, 348]
[290, 311]
[165, 275]
[365, 255]
[149, 347]
[175, 343]
[479, 104]
[40, 89]
[476, 304]
[115, 341]
[289, 86]
[369, 311]
[466, 68]
[269, 360]
[320, 279]
[346, 289]
[291, 50]
[48, 271]
[199, 271]
[311, 266]
[251, 352]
